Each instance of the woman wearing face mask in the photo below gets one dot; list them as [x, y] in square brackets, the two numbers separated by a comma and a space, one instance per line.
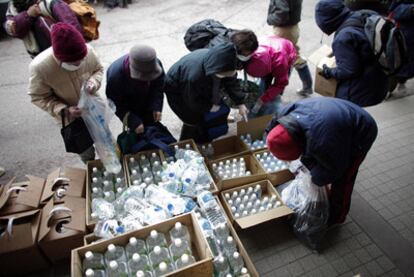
[272, 62]
[58, 73]
[193, 84]
[29, 20]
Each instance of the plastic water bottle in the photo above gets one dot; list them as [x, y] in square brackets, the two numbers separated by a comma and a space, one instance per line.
[138, 262]
[159, 255]
[144, 162]
[117, 269]
[93, 261]
[229, 246]
[208, 234]
[163, 268]
[156, 166]
[180, 231]
[135, 176]
[211, 209]
[94, 273]
[154, 158]
[244, 271]
[141, 273]
[135, 246]
[133, 164]
[107, 176]
[96, 193]
[178, 248]
[115, 253]
[190, 175]
[155, 239]
[222, 232]
[184, 261]
[146, 173]
[109, 196]
[210, 150]
[103, 209]
[258, 191]
[120, 183]
[107, 186]
[96, 173]
[236, 262]
[221, 267]
[96, 183]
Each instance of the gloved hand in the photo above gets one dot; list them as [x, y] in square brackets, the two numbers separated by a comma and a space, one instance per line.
[214, 108]
[257, 106]
[326, 72]
[243, 111]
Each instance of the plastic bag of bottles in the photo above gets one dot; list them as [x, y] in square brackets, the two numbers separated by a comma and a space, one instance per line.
[97, 115]
[311, 206]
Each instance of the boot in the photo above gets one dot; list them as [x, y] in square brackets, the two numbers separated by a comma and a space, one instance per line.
[189, 132]
[306, 78]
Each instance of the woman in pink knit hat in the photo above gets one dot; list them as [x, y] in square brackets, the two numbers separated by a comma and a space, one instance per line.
[272, 63]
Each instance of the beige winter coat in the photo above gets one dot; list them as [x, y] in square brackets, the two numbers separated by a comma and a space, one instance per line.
[53, 88]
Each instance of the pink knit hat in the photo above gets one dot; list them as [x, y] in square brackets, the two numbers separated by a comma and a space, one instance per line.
[68, 43]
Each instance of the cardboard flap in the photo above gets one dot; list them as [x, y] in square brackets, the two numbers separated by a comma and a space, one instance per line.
[44, 222]
[50, 181]
[19, 215]
[252, 220]
[77, 177]
[4, 196]
[254, 125]
[318, 55]
[31, 197]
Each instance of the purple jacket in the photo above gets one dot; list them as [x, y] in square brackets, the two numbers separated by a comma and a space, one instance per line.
[61, 12]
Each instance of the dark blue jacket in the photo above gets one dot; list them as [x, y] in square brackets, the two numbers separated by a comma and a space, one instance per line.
[139, 98]
[360, 77]
[403, 13]
[332, 133]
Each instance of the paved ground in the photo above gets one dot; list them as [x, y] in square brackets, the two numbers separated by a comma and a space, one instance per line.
[378, 238]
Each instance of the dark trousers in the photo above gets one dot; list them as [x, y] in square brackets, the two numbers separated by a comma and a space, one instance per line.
[341, 192]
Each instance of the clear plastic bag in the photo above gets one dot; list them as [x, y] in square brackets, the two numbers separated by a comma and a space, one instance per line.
[97, 115]
[311, 206]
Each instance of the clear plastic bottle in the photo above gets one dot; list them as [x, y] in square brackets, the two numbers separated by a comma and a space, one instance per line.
[102, 209]
[208, 234]
[96, 183]
[135, 176]
[107, 176]
[211, 209]
[146, 173]
[178, 248]
[96, 173]
[120, 183]
[155, 239]
[138, 262]
[141, 273]
[236, 262]
[156, 166]
[133, 164]
[93, 260]
[159, 255]
[258, 191]
[180, 231]
[107, 186]
[154, 158]
[164, 268]
[135, 246]
[109, 196]
[95, 273]
[184, 260]
[221, 231]
[221, 266]
[115, 253]
[244, 271]
[229, 246]
[96, 193]
[210, 150]
[144, 162]
[117, 269]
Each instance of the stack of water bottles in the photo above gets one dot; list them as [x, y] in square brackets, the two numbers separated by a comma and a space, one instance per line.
[227, 260]
[249, 201]
[207, 151]
[145, 169]
[232, 168]
[107, 185]
[270, 163]
[173, 158]
[254, 144]
[157, 255]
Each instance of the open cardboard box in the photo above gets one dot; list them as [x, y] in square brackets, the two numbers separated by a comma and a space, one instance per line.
[247, 261]
[68, 217]
[19, 253]
[227, 147]
[74, 180]
[261, 217]
[146, 153]
[204, 261]
[323, 86]
[278, 177]
[252, 165]
[255, 127]
[21, 197]
[91, 238]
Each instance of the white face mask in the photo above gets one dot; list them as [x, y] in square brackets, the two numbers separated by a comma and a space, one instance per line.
[244, 58]
[220, 76]
[71, 67]
[226, 74]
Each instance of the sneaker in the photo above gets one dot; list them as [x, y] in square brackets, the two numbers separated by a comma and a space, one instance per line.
[305, 92]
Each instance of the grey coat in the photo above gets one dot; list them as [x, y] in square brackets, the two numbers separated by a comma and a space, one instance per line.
[283, 13]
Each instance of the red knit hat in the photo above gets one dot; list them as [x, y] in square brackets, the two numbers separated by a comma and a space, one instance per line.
[68, 43]
[282, 145]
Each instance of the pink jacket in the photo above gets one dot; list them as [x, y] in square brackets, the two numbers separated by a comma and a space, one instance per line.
[275, 56]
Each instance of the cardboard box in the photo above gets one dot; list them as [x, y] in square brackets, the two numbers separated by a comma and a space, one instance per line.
[21, 197]
[261, 217]
[247, 261]
[255, 127]
[252, 165]
[69, 217]
[323, 86]
[204, 261]
[91, 238]
[278, 177]
[146, 153]
[72, 178]
[19, 253]
[228, 147]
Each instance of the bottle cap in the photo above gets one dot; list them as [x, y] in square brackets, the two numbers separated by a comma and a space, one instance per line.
[157, 250]
[178, 225]
[178, 242]
[113, 265]
[163, 266]
[88, 255]
[89, 272]
[229, 239]
[94, 180]
[119, 190]
[221, 259]
[95, 190]
[140, 273]
[135, 183]
[107, 194]
[154, 234]
[236, 255]
[106, 183]
[136, 257]
[132, 159]
[111, 248]
[133, 241]
[244, 271]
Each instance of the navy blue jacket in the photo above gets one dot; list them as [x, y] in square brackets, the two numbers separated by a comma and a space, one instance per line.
[332, 132]
[139, 98]
[403, 13]
[360, 77]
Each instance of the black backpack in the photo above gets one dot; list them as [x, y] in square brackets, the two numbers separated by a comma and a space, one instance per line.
[385, 37]
[206, 34]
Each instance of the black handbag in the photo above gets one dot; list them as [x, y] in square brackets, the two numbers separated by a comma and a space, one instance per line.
[75, 135]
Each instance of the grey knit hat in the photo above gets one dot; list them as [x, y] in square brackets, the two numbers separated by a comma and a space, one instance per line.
[143, 63]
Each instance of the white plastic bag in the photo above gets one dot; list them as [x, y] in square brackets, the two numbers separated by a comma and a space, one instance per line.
[97, 114]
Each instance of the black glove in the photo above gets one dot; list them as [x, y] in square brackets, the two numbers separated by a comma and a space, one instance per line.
[326, 72]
